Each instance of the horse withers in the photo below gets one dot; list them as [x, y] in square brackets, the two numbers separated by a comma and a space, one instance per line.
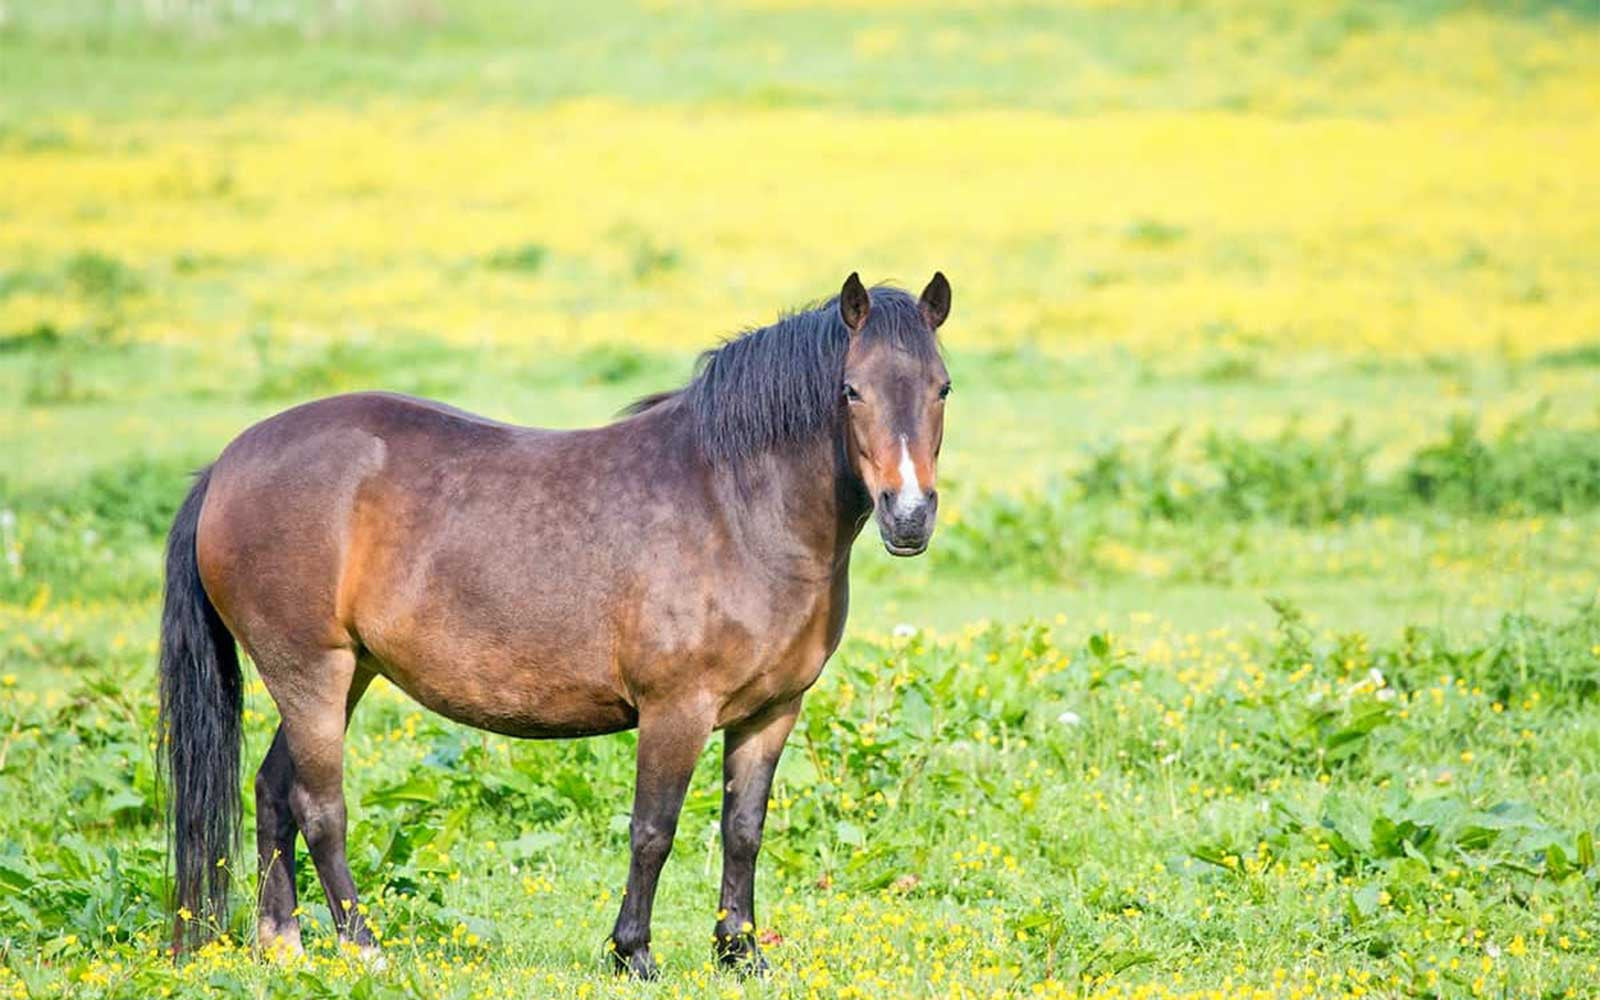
[682, 570]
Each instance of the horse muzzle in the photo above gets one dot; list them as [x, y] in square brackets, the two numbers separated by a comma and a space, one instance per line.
[906, 526]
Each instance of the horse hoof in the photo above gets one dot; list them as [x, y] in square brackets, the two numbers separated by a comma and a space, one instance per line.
[368, 954]
[281, 946]
[743, 956]
[636, 965]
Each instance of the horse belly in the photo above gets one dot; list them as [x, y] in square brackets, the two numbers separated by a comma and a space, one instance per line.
[520, 697]
[500, 654]
[482, 618]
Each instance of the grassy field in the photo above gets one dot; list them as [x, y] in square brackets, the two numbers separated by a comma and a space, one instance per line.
[1258, 651]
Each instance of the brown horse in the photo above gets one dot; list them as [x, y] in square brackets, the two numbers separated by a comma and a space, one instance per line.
[683, 570]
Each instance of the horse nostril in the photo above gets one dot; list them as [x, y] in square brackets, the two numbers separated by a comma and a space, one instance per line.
[932, 496]
[886, 499]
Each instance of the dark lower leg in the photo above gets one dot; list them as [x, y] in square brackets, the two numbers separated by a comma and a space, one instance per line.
[276, 924]
[315, 738]
[669, 744]
[321, 815]
[750, 757]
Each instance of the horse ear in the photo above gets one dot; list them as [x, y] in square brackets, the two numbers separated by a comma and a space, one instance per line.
[854, 304]
[936, 301]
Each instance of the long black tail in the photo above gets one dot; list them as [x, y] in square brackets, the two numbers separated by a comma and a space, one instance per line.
[201, 704]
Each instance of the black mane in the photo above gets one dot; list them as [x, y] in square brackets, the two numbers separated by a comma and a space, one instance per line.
[780, 383]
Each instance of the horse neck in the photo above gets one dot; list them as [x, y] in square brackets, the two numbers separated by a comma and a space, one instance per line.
[800, 502]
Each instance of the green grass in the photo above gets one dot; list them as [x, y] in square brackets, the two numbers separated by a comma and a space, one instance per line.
[1020, 802]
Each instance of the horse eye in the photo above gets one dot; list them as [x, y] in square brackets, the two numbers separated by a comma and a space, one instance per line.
[851, 394]
[944, 390]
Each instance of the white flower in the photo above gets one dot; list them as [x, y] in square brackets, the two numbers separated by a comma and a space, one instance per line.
[1376, 682]
[904, 631]
[1069, 718]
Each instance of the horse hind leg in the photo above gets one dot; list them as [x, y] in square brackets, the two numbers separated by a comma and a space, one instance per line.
[277, 926]
[315, 697]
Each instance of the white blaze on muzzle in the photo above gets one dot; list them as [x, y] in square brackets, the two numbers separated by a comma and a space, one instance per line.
[910, 498]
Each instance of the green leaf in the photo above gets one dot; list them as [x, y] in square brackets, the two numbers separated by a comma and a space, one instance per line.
[125, 800]
[915, 712]
[1211, 856]
[14, 877]
[1556, 863]
[529, 844]
[1121, 961]
[1366, 899]
[421, 788]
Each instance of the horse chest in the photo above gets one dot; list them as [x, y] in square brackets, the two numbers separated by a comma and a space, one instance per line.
[780, 658]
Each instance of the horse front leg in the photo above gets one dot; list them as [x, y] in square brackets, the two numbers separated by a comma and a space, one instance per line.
[670, 741]
[749, 759]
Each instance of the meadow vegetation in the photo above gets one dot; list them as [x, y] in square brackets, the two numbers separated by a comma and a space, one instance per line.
[1257, 653]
